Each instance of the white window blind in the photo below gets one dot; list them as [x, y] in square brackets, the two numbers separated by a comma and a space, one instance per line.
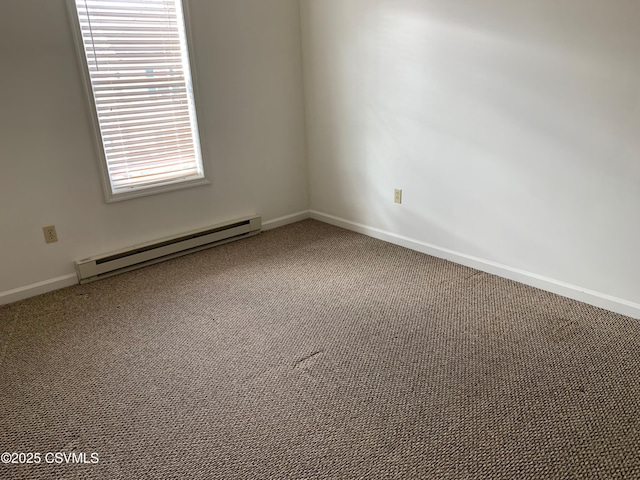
[138, 64]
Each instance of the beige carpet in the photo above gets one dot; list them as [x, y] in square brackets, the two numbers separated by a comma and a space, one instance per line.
[310, 352]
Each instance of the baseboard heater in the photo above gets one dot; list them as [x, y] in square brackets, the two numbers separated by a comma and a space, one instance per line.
[102, 266]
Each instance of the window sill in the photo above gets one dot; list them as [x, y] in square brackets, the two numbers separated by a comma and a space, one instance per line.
[145, 192]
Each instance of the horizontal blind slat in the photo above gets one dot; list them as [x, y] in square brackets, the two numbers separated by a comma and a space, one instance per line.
[139, 152]
[172, 170]
[121, 145]
[110, 126]
[150, 127]
[137, 112]
[138, 101]
[162, 159]
[157, 169]
[96, 15]
[135, 61]
[152, 132]
[151, 165]
[133, 149]
[163, 163]
[124, 177]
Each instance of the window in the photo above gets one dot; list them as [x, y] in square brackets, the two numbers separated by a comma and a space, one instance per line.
[136, 60]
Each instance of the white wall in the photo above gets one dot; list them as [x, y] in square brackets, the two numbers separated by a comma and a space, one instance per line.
[513, 128]
[248, 61]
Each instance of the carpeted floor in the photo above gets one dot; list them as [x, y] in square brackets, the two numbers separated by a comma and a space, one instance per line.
[311, 352]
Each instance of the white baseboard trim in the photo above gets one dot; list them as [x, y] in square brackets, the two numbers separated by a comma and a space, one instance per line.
[286, 220]
[47, 286]
[574, 292]
[39, 288]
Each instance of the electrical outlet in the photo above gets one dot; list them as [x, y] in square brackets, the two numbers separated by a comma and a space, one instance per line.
[50, 234]
[397, 195]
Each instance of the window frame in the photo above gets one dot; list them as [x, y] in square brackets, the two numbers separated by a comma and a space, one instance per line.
[109, 195]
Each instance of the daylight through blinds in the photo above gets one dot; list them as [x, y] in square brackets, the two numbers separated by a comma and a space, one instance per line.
[139, 69]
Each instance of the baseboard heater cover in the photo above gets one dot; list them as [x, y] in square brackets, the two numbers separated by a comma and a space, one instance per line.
[102, 266]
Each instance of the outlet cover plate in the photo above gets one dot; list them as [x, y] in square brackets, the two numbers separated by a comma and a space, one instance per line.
[50, 234]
